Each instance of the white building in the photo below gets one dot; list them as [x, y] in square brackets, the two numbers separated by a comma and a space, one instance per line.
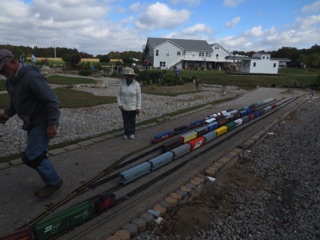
[259, 63]
[166, 53]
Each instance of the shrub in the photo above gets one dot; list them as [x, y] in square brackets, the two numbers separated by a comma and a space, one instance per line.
[85, 72]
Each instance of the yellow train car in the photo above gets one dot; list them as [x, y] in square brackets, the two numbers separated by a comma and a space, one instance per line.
[189, 136]
[221, 130]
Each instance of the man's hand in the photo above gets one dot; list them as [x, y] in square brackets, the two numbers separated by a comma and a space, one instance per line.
[52, 130]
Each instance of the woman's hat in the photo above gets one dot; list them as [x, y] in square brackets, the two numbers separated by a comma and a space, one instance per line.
[128, 71]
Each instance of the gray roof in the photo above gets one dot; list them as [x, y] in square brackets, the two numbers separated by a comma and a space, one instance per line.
[186, 44]
[255, 58]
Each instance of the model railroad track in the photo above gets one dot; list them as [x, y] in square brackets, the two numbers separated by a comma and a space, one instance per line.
[97, 179]
[108, 174]
[86, 186]
[200, 152]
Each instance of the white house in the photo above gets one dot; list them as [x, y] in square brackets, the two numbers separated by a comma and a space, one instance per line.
[166, 53]
[260, 63]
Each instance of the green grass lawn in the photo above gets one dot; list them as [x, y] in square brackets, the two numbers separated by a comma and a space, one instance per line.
[290, 77]
[71, 99]
[63, 80]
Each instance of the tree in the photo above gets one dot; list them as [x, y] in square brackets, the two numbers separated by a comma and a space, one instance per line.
[103, 59]
[71, 60]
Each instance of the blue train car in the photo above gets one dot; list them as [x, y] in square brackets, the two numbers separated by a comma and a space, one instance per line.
[161, 160]
[181, 129]
[135, 172]
[162, 136]
[210, 136]
[245, 119]
[212, 126]
[257, 113]
[181, 150]
[196, 123]
[243, 113]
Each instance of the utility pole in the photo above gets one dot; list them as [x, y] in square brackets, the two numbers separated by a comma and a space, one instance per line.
[54, 49]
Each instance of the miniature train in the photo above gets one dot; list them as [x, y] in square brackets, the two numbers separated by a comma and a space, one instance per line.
[191, 137]
[65, 220]
[194, 136]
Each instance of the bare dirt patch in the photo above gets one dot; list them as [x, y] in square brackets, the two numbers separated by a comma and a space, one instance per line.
[214, 200]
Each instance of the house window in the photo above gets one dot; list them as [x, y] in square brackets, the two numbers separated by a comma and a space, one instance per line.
[263, 57]
[217, 56]
[254, 64]
[162, 64]
[178, 53]
[167, 53]
[216, 47]
[201, 54]
[157, 52]
[274, 65]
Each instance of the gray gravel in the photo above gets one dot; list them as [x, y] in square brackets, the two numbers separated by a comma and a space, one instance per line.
[282, 201]
[76, 124]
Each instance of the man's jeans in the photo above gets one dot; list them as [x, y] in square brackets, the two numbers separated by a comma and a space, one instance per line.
[38, 142]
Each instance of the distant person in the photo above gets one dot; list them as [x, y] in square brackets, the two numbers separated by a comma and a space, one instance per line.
[129, 102]
[176, 71]
[37, 105]
[22, 58]
[33, 60]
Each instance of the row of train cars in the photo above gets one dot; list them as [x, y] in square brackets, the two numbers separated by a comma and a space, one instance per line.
[184, 140]
[188, 138]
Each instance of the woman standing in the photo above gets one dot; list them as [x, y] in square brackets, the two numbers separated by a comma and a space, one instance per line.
[129, 102]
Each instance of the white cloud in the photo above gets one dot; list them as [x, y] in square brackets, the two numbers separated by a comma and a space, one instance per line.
[235, 43]
[232, 3]
[313, 8]
[309, 22]
[232, 23]
[197, 31]
[301, 34]
[135, 7]
[197, 28]
[101, 26]
[255, 31]
[160, 16]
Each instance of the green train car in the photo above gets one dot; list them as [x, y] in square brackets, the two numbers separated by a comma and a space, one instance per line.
[62, 221]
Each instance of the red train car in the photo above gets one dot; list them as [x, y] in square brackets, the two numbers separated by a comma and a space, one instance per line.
[198, 142]
[21, 234]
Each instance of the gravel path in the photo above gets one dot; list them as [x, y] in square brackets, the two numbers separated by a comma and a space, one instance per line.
[76, 124]
[272, 192]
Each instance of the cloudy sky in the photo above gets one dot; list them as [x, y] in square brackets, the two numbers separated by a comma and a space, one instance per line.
[101, 26]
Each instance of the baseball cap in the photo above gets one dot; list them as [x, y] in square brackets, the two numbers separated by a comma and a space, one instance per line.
[5, 56]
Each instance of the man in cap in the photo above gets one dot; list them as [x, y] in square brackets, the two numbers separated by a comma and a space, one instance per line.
[129, 102]
[32, 99]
